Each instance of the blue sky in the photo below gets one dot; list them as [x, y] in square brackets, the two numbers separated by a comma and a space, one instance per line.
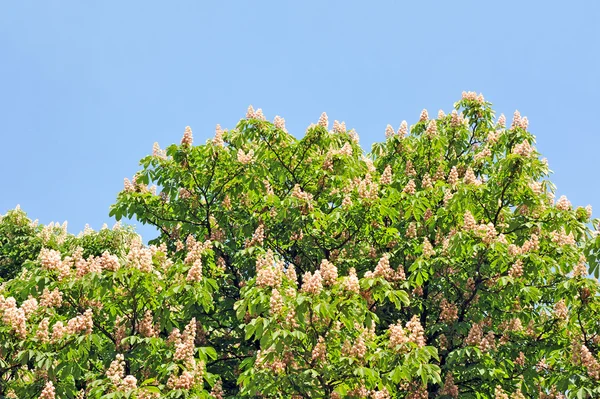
[86, 87]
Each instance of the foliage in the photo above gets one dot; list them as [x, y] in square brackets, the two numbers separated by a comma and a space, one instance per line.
[79, 314]
[18, 242]
[22, 239]
[439, 266]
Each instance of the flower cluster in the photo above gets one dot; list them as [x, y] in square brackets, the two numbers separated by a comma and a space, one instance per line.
[245, 158]
[386, 176]
[582, 356]
[188, 137]
[312, 283]
[269, 272]
[477, 338]
[328, 272]
[413, 332]
[13, 316]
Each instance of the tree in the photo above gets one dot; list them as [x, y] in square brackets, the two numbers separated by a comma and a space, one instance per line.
[438, 266]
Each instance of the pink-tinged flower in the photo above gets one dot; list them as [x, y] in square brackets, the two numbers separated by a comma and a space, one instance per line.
[328, 272]
[339, 127]
[291, 275]
[302, 195]
[456, 119]
[470, 178]
[81, 324]
[471, 95]
[29, 306]
[484, 153]
[353, 136]
[346, 150]
[453, 176]
[259, 115]
[146, 326]
[476, 337]
[217, 390]
[346, 202]
[424, 116]
[536, 187]
[403, 129]
[450, 388]
[563, 204]
[359, 392]
[42, 333]
[516, 122]
[380, 394]
[499, 393]
[129, 383]
[319, 352]
[431, 130]
[383, 268]
[516, 270]
[195, 249]
[269, 273]
[367, 188]
[245, 158]
[109, 262]
[580, 269]
[276, 302]
[279, 123]
[58, 331]
[448, 311]
[428, 250]
[416, 334]
[250, 112]
[469, 222]
[502, 121]
[398, 337]
[323, 120]
[218, 140]
[560, 310]
[410, 188]
[13, 316]
[351, 282]
[389, 131]
[582, 356]
[50, 259]
[140, 257]
[441, 114]
[157, 152]
[487, 232]
[520, 360]
[426, 182]
[185, 349]
[116, 370]
[48, 391]
[523, 149]
[386, 176]
[258, 237]
[411, 231]
[195, 272]
[188, 138]
[312, 283]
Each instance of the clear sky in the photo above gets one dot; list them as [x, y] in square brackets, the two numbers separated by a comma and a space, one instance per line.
[86, 87]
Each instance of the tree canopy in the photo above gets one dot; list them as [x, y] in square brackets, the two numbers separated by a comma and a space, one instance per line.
[438, 265]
